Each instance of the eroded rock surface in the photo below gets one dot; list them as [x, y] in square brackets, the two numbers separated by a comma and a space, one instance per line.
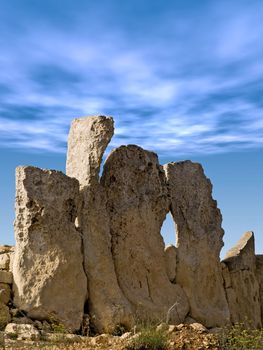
[5, 293]
[6, 255]
[259, 274]
[137, 204]
[88, 140]
[6, 277]
[199, 241]
[49, 280]
[22, 332]
[4, 315]
[242, 287]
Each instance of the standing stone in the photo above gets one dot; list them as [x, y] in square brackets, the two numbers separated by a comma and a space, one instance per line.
[137, 204]
[199, 241]
[87, 142]
[49, 280]
[259, 273]
[242, 287]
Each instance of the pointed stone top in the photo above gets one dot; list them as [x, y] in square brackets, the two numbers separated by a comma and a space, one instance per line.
[246, 242]
[88, 139]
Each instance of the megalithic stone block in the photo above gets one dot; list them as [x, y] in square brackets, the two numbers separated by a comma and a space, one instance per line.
[242, 286]
[137, 204]
[88, 139]
[199, 241]
[49, 279]
[87, 142]
[259, 273]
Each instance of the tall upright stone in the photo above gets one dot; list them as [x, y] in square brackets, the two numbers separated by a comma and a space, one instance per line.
[199, 241]
[241, 283]
[87, 142]
[49, 279]
[137, 204]
[259, 274]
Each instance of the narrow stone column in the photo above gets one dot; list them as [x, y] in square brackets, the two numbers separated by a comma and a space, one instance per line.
[49, 279]
[87, 142]
[241, 282]
[199, 241]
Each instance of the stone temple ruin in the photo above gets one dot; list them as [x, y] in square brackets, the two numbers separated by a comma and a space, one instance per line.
[90, 247]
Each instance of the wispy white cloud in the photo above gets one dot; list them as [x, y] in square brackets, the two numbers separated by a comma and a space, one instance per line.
[182, 89]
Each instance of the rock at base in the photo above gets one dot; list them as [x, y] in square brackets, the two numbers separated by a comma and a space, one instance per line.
[5, 293]
[19, 332]
[6, 277]
[49, 280]
[4, 315]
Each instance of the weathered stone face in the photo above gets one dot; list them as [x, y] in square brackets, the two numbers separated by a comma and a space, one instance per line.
[4, 315]
[137, 204]
[88, 140]
[99, 240]
[6, 277]
[5, 293]
[49, 280]
[242, 287]
[199, 241]
[4, 261]
[259, 274]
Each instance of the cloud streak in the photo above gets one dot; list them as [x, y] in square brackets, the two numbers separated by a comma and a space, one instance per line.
[192, 86]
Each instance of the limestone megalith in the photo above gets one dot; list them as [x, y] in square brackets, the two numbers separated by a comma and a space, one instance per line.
[241, 283]
[137, 204]
[49, 279]
[259, 274]
[87, 142]
[199, 241]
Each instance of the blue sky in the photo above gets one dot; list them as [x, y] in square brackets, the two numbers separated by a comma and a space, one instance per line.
[182, 78]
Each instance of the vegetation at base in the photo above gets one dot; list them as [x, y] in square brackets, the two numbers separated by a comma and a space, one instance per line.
[149, 339]
[119, 330]
[56, 326]
[239, 337]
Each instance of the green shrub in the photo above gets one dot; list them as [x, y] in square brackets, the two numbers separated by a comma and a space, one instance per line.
[56, 325]
[149, 339]
[238, 337]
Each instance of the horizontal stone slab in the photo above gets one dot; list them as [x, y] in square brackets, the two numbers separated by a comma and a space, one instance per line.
[6, 249]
